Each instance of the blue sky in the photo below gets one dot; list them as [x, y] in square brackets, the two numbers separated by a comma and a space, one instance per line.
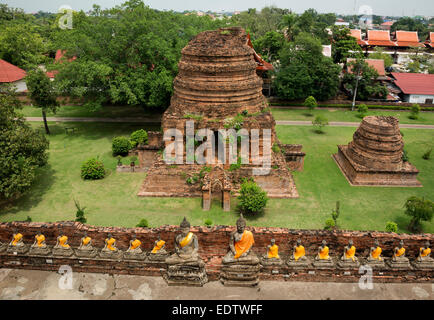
[379, 7]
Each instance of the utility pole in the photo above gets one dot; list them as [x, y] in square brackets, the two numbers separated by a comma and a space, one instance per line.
[357, 85]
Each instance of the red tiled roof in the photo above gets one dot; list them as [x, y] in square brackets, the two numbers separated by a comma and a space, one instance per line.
[430, 40]
[379, 38]
[356, 33]
[10, 73]
[262, 65]
[407, 39]
[388, 23]
[414, 83]
[377, 64]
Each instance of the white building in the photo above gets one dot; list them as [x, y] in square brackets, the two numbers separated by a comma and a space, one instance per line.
[415, 87]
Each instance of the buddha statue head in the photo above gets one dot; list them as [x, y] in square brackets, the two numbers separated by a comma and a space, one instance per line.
[273, 242]
[298, 242]
[60, 233]
[133, 236]
[376, 243]
[185, 226]
[241, 224]
[427, 244]
[85, 234]
[350, 243]
[323, 243]
[109, 236]
[401, 243]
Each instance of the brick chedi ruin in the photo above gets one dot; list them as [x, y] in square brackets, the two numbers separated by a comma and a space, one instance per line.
[374, 157]
[218, 88]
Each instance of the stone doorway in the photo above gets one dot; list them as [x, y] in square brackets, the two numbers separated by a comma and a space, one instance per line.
[216, 185]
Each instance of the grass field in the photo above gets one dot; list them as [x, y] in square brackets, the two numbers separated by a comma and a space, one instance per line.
[113, 201]
[348, 115]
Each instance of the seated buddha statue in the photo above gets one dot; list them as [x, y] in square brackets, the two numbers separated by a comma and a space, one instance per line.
[39, 247]
[272, 255]
[399, 260]
[17, 244]
[134, 251]
[298, 257]
[62, 247]
[110, 250]
[322, 258]
[186, 247]
[159, 251]
[240, 244]
[349, 258]
[424, 260]
[85, 248]
[374, 259]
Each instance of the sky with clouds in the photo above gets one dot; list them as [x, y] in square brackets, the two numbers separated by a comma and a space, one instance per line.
[379, 7]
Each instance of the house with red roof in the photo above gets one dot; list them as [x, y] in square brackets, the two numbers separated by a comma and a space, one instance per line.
[430, 40]
[415, 87]
[14, 75]
[377, 64]
[386, 25]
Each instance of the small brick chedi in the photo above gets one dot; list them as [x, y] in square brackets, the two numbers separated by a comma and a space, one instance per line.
[217, 88]
[374, 157]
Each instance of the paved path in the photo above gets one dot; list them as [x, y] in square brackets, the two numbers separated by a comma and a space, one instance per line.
[157, 120]
[33, 284]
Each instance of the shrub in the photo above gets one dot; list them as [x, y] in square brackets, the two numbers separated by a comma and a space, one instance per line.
[119, 158]
[143, 223]
[80, 212]
[252, 198]
[133, 159]
[28, 219]
[275, 148]
[319, 122]
[138, 137]
[235, 166]
[208, 222]
[404, 157]
[391, 226]
[92, 169]
[329, 224]
[310, 103]
[120, 146]
[415, 109]
[419, 210]
[362, 109]
[335, 213]
[427, 155]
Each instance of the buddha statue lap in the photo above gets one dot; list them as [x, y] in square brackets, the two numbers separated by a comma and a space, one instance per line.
[110, 251]
[272, 256]
[424, 260]
[374, 259]
[185, 267]
[39, 247]
[17, 244]
[240, 265]
[86, 250]
[349, 259]
[399, 260]
[134, 252]
[298, 258]
[322, 259]
[62, 247]
[158, 253]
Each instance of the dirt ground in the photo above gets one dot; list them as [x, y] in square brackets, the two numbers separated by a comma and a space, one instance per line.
[41, 285]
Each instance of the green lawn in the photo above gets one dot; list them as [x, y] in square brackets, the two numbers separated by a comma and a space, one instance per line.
[113, 201]
[346, 115]
[103, 112]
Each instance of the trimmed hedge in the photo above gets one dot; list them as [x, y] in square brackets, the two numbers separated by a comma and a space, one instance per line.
[92, 169]
[120, 146]
[138, 137]
[347, 106]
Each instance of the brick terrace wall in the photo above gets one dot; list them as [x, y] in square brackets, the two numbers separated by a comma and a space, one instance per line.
[214, 244]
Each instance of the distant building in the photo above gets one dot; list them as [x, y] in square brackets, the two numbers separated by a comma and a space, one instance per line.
[386, 25]
[415, 87]
[13, 75]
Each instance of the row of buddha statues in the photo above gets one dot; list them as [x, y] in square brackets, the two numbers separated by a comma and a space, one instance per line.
[239, 265]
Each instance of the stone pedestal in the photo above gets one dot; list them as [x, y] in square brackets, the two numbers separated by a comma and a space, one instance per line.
[108, 254]
[265, 261]
[3, 247]
[401, 263]
[241, 273]
[86, 253]
[40, 251]
[348, 264]
[63, 252]
[157, 257]
[424, 264]
[375, 264]
[140, 256]
[188, 274]
[19, 249]
[324, 263]
[301, 263]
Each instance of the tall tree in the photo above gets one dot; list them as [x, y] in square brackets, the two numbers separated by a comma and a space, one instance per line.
[22, 150]
[42, 93]
[344, 45]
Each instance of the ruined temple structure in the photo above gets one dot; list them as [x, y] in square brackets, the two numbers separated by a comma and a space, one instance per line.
[374, 157]
[218, 88]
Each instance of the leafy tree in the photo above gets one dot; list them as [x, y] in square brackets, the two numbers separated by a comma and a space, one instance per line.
[419, 209]
[80, 212]
[143, 223]
[304, 71]
[252, 198]
[410, 24]
[92, 169]
[362, 109]
[366, 84]
[414, 111]
[319, 122]
[42, 93]
[391, 226]
[22, 150]
[269, 45]
[344, 45]
[311, 103]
